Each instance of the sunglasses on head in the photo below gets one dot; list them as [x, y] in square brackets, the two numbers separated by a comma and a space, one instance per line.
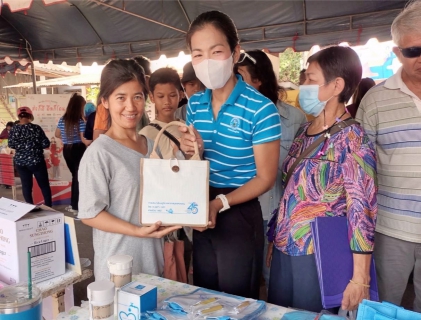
[412, 52]
[245, 55]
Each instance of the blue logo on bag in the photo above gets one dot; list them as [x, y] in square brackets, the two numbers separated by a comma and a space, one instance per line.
[171, 211]
[193, 208]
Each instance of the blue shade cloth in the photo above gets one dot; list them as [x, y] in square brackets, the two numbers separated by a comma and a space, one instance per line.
[370, 310]
[334, 260]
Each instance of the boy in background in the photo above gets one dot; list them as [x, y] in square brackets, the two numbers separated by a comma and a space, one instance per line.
[165, 91]
[191, 85]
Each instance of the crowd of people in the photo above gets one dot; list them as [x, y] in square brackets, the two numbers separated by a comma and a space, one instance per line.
[268, 161]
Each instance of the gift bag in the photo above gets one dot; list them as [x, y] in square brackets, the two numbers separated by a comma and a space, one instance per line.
[371, 310]
[175, 192]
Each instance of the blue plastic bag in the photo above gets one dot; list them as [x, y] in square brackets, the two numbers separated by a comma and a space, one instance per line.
[371, 310]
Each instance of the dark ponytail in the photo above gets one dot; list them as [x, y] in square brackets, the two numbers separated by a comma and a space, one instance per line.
[262, 71]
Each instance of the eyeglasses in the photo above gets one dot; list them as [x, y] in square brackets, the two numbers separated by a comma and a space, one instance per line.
[245, 55]
[412, 52]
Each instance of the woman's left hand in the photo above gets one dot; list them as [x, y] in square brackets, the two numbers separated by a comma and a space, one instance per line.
[353, 295]
[214, 207]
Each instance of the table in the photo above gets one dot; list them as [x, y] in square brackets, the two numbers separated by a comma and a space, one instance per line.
[55, 287]
[57, 284]
[167, 288]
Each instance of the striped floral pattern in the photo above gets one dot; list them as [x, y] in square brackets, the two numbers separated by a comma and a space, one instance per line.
[340, 182]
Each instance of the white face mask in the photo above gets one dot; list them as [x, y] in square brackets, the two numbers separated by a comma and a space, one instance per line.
[214, 74]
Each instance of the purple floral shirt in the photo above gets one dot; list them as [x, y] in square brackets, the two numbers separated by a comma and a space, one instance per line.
[337, 179]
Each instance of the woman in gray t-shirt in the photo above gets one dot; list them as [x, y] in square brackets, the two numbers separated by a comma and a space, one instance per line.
[109, 179]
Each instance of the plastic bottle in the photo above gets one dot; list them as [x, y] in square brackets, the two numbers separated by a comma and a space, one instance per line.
[101, 300]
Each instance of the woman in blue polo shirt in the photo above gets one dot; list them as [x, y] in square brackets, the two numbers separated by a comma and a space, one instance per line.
[238, 132]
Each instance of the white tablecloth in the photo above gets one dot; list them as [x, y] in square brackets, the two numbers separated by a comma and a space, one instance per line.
[168, 288]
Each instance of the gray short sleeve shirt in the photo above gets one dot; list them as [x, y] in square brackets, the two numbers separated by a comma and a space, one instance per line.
[109, 180]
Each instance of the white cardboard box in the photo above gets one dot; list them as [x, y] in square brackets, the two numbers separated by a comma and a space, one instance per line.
[135, 298]
[40, 232]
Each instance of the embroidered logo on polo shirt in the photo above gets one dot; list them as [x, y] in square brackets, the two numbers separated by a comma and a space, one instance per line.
[234, 124]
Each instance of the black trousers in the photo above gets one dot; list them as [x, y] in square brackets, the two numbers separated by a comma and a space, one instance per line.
[73, 153]
[294, 282]
[41, 175]
[229, 258]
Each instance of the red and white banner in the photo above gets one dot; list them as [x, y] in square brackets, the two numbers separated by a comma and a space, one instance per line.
[47, 110]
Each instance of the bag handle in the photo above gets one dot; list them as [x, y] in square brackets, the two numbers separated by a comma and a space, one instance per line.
[333, 130]
[154, 154]
[167, 134]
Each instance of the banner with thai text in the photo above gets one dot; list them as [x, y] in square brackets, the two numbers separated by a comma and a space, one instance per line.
[47, 110]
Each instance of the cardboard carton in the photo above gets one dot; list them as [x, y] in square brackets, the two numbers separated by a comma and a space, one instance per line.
[40, 232]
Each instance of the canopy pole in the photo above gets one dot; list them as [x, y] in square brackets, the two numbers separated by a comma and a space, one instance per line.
[34, 82]
[34, 79]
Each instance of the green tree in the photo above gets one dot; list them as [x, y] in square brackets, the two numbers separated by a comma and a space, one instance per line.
[290, 65]
[92, 94]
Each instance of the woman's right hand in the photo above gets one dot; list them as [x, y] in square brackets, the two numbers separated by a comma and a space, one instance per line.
[187, 141]
[156, 231]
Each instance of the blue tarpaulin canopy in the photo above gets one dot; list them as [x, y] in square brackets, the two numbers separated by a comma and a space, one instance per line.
[87, 31]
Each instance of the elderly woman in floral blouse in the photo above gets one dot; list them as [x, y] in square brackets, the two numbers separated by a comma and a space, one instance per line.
[336, 179]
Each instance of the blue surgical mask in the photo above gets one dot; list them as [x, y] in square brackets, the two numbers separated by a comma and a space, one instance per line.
[309, 99]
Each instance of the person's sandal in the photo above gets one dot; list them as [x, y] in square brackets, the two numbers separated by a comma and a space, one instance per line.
[69, 209]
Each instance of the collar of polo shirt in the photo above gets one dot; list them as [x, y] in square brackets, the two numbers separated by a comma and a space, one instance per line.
[238, 89]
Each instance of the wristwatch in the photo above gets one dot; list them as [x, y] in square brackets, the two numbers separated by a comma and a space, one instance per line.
[224, 200]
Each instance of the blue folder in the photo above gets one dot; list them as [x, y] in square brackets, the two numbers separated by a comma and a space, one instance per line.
[334, 260]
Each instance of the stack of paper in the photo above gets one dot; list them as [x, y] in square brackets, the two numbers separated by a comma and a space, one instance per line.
[334, 260]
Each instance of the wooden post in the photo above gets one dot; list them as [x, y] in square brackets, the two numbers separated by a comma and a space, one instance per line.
[58, 303]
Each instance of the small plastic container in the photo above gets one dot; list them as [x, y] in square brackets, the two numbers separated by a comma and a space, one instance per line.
[101, 300]
[17, 304]
[120, 267]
